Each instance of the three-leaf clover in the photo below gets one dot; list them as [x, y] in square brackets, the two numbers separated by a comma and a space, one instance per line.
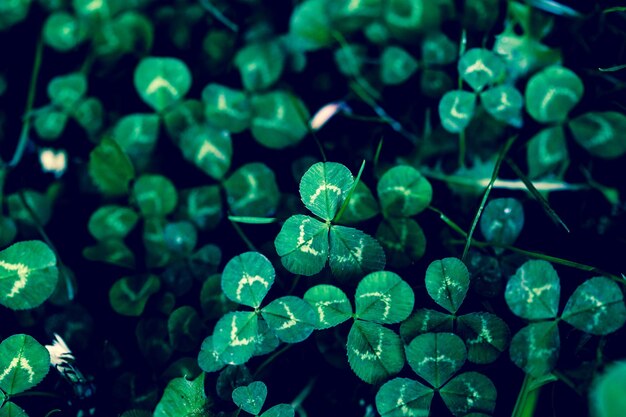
[305, 244]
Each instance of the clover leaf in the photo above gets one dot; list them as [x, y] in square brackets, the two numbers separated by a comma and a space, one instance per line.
[23, 363]
[162, 81]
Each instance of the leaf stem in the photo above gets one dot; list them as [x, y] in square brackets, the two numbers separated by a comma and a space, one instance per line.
[209, 7]
[242, 235]
[494, 176]
[271, 358]
[526, 399]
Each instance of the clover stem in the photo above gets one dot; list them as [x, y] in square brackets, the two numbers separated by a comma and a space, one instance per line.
[243, 236]
[271, 358]
[526, 399]
[209, 7]
[462, 150]
[297, 402]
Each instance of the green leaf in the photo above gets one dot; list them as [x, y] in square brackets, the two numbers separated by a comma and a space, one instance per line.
[65, 91]
[302, 244]
[184, 327]
[469, 392]
[89, 114]
[209, 149]
[596, 307]
[323, 188]
[350, 17]
[28, 274]
[62, 31]
[502, 221]
[110, 168]
[533, 292]
[290, 318]
[10, 409]
[50, 123]
[252, 220]
[161, 82]
[535, 348]
[212, 299]
[250, 398]
[226, 108]
[607, 397]
[384, 297]
[203, 206]
[546, 152]
[601, 133]
[486, 336]
[157, 252]
[23, 363]
[280, 410]
[406, 19]
[436, 356]
[113, 251]
[361, 206]
[374, 352]
[128, 296]
[181, 116]
[309, 25]
[403, 240]
[280, 119]
[30, 207]
[183, 398]
[447, 282]
[112, 222]
[267, 342]
[260, 64]
[137, 135]
[438, 49]
[425, 321]
[403, 192]
[396, 65]
[247, 278]
[456, 110]
[252, 191]
[208, 358]
[552, 93]
[180, 237]
[353, 252]
[155, 195]
[504, 103]
[235, 337]
[403, 397]
[331, 305]
[480, 67]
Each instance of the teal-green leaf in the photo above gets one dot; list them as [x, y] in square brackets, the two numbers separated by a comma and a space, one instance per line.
[247, 278]
[279, 119]
[182, 116]
[250, 398]
[404, 397]
[157, 252]
[128, 296]
[110, 168]
[403, 192]
[546, 152]
[302, 244]
[10, 409]
[180, 237]
[596, 307]
[374, 352]
[469, 392]
[331, 305]
[323, 188]
[137, 135]
[50, 123]
[23, 363]
[65, 91]
[361, 206]
[89, 113]
[209, 149]
[424, 321]
[601, 133]
[502, 221]
[309, 25]
[226, 108]
[267, 342]
[28, 274]
[438, 49]
[607, 395]
[24, 203]
[63, 31]
[481, 67]
[447, 282]
[161, 82]
[486, 336]
[552, 93]
[384, 297]
[112, 221]
[155, 195]
[202, 205]
[533, 292]
[396, 65]
[235, 337]
[504, 103]
[353, 252]
[183, 397]
[403, 240]
[407, 19]
[208, 357]
[436, 356]
[184, 327]
[280, 410]
[260, 64]
[536, 347]
[290, 318]
[252, 191]
[456, 110]
[113, 251]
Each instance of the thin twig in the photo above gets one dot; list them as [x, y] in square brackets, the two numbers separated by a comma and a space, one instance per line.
[219, 15]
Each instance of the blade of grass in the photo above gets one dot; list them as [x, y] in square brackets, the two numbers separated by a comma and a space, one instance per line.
[494, 176]
[379, 148]
[344, 205]
[252, 220]
[537, 195]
